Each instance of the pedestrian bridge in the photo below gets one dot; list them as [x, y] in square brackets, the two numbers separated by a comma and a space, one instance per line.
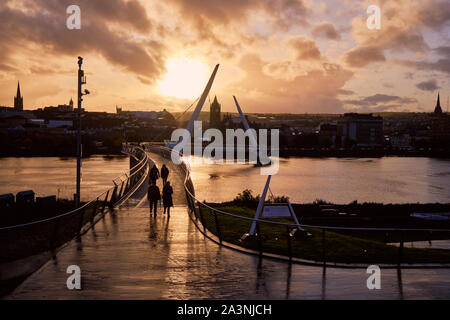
[129, 254]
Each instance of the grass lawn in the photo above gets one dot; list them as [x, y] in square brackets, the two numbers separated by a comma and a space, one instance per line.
[342, 248]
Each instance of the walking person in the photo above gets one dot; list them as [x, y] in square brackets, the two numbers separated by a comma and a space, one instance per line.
[154, 174]
[164, 174]
[167, 197]
[153, 196]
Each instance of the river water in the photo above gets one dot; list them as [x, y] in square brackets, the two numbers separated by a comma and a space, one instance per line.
[56, 176]
[339, 180]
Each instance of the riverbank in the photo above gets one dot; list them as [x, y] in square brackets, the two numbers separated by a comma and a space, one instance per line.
[362, 153]
[349, 247]
[331, 236]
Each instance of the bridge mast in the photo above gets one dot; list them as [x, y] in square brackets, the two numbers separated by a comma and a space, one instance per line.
[200, 103]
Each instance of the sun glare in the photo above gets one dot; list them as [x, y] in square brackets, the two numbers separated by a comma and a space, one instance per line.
[185, 78]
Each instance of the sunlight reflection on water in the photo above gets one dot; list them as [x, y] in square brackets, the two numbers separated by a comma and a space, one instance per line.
[56, 176]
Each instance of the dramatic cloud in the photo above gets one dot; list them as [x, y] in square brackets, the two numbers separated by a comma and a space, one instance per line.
[402, 27]
[303, 93]
[326, 30]
[441, 65]
[380, 102]
[305, 48]
[362, 56]
[224, 12]
[44, 28]
[430, 85]
[277, 55]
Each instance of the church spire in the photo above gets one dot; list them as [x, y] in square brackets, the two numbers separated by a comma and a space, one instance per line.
[438, 109]
[18, 90]
[18, 99]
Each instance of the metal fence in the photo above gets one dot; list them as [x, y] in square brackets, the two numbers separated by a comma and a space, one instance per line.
[20, 241]
[322, 247]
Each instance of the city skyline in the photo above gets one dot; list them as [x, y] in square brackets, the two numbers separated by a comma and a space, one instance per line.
[281, 57]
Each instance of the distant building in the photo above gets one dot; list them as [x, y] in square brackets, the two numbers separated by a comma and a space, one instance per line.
[52, 124]
[364, 130]
[328, 131]
[214, 114]
[18, 100]
[148, 115]
[6, 109]
[438, 109]
[440, 124]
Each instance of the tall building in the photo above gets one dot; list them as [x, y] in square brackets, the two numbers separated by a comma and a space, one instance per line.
[18, 100]
[214, 114]
[438, 109]
[365, 130]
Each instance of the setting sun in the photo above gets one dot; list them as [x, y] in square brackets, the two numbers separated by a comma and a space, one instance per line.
[185, 78]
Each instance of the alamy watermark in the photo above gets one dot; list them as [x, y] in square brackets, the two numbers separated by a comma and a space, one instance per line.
[74, 19]
[374, 18]
[258, 151]
[374, 280]
[74, 280]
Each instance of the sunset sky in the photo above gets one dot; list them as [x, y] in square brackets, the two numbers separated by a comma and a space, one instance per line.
[291, 56]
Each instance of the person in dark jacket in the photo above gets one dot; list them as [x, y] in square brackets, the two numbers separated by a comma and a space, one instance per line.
[164, 174]
[167, 197]
[153, 196]
[154, 174]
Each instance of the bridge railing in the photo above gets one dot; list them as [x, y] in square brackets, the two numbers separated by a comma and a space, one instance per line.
[23, 240]
[275, 237]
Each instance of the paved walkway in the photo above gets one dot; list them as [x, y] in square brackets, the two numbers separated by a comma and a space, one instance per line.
[130, 255]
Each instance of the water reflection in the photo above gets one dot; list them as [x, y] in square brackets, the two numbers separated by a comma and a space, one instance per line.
[400, 283]
[385, 180]
[56, 176]
[288, 281]
[324, 282]
[260, 279]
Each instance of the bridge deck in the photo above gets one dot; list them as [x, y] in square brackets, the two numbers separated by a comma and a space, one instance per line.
[130, 255]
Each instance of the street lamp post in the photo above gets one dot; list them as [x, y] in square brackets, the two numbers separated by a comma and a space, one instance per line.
[81, 81]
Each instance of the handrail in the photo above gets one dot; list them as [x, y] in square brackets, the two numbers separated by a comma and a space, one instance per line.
[289, 224]
[135, 168]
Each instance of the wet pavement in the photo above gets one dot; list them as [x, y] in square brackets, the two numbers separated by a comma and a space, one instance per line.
[132, 255]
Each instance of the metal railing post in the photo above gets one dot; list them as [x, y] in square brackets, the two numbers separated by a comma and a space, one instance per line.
[54, 237]
[288, 236]
[323, 247]
[400, 248]
[127, 186]
[80, 225]
[105, 202]
[113, 199]
[95, 210]
[219, 233]
[201, 219]
[121, 189]
[258, 235]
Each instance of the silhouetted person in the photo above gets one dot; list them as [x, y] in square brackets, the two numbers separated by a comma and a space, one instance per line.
[164, 174]
[153, 196]
[154, 174]
[167, 197]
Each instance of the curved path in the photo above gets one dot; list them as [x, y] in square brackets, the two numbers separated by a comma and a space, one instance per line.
[130, 255]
